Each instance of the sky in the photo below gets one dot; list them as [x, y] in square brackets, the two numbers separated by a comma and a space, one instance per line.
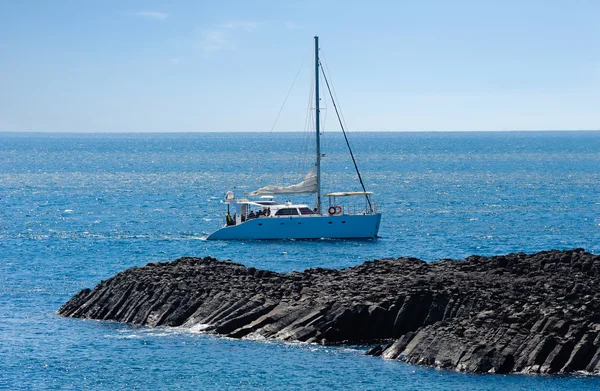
[217, 66]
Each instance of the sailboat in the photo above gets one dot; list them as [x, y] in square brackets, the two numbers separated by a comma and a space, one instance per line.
[266, 218]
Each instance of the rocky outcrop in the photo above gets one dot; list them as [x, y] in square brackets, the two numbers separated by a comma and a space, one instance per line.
[536, 313]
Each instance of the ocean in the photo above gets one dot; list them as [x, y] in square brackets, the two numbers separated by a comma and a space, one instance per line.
[77, 208]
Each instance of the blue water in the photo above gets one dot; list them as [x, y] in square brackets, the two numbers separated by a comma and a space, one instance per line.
[76, 209]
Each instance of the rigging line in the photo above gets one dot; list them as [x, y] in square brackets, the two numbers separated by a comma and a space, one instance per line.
[290, 165]
[334, 98]
[333, 87]
[296, 168]
[323, 109]
[347, 142]
[308, 133]
[287, 96]
[301, 164]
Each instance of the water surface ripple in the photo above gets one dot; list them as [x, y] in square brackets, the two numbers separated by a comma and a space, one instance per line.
[76, 209]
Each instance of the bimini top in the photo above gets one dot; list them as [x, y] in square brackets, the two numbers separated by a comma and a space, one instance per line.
[348, 193]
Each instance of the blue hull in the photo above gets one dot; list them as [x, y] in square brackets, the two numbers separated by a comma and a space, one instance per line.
[303, 227]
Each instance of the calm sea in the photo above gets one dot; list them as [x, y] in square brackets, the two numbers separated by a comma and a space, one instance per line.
[76, 209]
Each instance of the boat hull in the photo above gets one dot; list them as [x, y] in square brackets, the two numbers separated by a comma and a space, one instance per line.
[303, 227]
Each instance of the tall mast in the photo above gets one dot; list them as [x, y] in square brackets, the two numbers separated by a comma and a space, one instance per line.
[318, 125]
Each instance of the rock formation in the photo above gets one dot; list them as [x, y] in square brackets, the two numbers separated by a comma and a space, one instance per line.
[536, 313]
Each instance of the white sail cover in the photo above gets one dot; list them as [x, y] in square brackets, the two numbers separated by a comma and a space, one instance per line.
[308, 185]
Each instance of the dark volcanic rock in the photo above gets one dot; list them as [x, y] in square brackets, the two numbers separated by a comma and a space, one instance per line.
[535, 313]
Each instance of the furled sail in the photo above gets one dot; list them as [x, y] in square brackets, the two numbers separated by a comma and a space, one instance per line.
[308, 185]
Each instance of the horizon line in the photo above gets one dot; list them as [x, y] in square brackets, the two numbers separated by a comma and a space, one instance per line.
[296, 131]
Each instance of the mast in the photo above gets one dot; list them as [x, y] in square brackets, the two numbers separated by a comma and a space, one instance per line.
[318, 125]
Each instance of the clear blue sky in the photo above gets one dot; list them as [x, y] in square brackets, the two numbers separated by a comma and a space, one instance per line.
[181, 66]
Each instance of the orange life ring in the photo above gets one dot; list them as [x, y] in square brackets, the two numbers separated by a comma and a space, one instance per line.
[331, 210]
[338, 210]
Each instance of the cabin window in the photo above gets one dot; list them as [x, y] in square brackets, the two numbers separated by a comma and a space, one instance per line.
[287, 212]
[306, 211]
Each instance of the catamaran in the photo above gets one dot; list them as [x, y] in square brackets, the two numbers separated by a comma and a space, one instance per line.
[266, 218]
